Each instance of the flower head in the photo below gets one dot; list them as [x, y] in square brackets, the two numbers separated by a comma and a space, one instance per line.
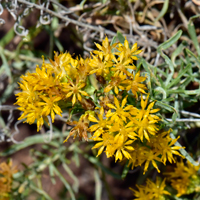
[105, 50]
[6, 176]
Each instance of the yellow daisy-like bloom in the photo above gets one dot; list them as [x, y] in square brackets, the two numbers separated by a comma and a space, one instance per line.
[157, 189]
[120, 111]
[164, 144]
[123, 129]
[71, 69]
[83, 68]
[150, 156]
[152, 191]
[128, 53]
[122, 64]
[180, 185]
[184, 178]
[141, 193]
[6, 174]
[144, 127]
[100, 66]
[42, 79]
[50, 106]
[122, 147]
[74, 90]
[115, 83]
[101, 125]
[105, 49]
[168, 149]
[32, 113]
[134, 84]
[27, 94]
[60, 65]
[107, 141]
[143, 112]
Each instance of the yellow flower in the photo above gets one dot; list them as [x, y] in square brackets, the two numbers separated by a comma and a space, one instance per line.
[120, 111]
[50, 106]
[122, 64]
[60, 65]
[157, 189]
[149, 111]
[100, 66]
[128, 53]
[115, 83]
[74, 90]
[123, 129]
[42, 79]
[31, 113]
[150, 156]
[6, 174]
[180, 185]
[141, 193]
[135, 85]
[122, 147]
[144, 127]
[152, 191]
[184, 178]
[100, 125]
[107, 141]
[105, 49]
[83, 69]
[168, 149]
[27, 95]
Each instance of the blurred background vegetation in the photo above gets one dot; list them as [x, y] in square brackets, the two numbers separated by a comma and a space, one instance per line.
[30, 29]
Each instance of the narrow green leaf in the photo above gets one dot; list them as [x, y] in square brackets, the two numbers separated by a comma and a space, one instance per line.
[125, 170]
[71, 174]
[192, 92]
[82, 3]
[171, 67]
[120, 37]
[114, 40]
[170, 42]
[161, 81]
[181, 73]
[7, 93]
[177, 52]
[5, 65]
[148, 69]
[96, 162]
[7, 38]
[174, 116]
[162, 91]
[59, 45]
[98, 185]
[31, 140]
[192, 33]
[165, 106]
[51, 172]
[40, 191]
[161, 71]
[163, 10]
[67, 185]
[196, 59]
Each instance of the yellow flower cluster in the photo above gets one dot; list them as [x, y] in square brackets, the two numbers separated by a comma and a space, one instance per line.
[151, 191]
[6, 173]
[185, 178]
[60, 80]
[124, 124]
